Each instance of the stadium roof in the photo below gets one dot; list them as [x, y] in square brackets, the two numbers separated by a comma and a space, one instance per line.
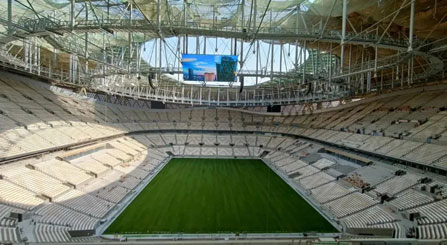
[337, 47]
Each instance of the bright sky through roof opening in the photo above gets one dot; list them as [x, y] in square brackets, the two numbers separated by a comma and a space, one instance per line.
[223, 47]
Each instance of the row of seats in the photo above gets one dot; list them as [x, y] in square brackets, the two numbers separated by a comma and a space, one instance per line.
[51, 233]
[350, 204]
[432, 213]
[436, 231]
[222, 140]
[329, 192]
[397, 184]
[9, 235]
[35, 118]
[63, 171]
[393, 146]
[5, 215]
[354, 209]
[316, 180]
[409, 199]
[34, 181]
[122, 164]
[345, 117]
[17, 196]
[56, 214]
[241, 151]
[396, 148]
[391, 116]
[84, 203]
[371, 217]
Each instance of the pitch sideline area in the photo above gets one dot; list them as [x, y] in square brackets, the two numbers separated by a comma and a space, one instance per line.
[195, 196]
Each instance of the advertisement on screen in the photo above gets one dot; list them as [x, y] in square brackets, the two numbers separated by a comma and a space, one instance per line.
[209, 68]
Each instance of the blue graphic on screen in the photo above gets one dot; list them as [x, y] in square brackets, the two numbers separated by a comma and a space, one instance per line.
[209, 68]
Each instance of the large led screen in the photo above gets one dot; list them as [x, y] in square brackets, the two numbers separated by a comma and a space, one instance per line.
[209, 68]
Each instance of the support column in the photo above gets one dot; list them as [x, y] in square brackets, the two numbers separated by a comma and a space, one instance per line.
[70, 69]
[86, 41]
[72, 14]
[409, 72]
[362, 75]
[184, 13]
[235, 46]
[296, 55]
[38, 58]
[185, 44]
[257, 61]
[271, 62]
[349, 68]
[200, 95]
[197, 45]
[402, 76]
[241, 62]
[243, 13]
[303, 61]
[192, 94]
[155, 47]
[368, 82]
[317, 60]
[108, 10]
[183, 94]
[392, 78]
[330, 63]
[297, 18]
[160, 60]
[50, 68]
[178, 60]
[158, 15]
[55, 61]
[410, 35]
[412, 71]
[129, 36]
[10, 18]
[255, 9]
[33, 55]
[280, 58]
[214, 17]
[27, 53]
[209, 96]
[104, 59]
[272, 47]
[343, 34]
[218, 96]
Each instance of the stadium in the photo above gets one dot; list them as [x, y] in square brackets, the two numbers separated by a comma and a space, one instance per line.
[239, 121]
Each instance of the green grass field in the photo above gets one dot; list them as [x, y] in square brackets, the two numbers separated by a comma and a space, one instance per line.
[218, 196]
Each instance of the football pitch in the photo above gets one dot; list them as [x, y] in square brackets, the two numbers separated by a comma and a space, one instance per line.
[218, 196]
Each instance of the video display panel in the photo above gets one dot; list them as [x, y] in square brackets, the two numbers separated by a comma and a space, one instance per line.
[209, 68]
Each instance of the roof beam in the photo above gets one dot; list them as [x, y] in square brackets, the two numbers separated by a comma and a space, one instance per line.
[391, 22]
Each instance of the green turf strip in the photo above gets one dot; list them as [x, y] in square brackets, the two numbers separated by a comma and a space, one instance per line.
[218, 196]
